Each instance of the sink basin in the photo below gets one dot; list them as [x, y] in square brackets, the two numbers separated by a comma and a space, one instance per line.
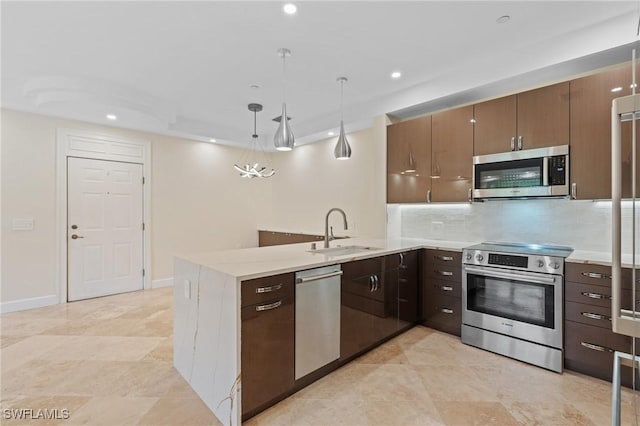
[343, 250]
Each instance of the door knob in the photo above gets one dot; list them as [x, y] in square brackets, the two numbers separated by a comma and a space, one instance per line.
[75, 237]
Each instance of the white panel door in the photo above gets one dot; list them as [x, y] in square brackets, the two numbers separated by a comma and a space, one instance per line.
[104, 228]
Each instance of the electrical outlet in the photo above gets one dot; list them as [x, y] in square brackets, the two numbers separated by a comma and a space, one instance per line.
[187, 289]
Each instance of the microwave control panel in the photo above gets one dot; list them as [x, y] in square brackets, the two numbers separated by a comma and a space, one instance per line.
[558, 170]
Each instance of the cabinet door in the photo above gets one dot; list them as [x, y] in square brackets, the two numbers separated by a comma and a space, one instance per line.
[591, 98]
[409, 161]
[267, 352]
[408, 288]
[452, 154]
[495, 126]
[543, 116]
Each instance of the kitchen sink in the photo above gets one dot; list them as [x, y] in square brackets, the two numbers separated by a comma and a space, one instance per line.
[344, 250]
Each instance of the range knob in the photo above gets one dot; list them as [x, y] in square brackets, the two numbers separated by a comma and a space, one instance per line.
[555, 265]
[479, 257]
[540, 263]
[469, 256]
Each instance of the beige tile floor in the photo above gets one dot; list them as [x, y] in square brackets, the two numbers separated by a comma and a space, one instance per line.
[108, 361]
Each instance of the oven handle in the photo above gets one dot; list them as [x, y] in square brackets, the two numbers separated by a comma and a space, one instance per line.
[528, 278]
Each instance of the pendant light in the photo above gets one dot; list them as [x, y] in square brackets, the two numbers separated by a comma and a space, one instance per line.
[283, 139]
[342, 150]
[253, 169]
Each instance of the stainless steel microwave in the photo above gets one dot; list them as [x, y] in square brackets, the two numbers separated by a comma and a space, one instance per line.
[539, 172]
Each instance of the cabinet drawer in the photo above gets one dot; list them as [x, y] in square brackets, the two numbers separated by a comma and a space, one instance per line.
[267, 352]
[594, 295]
[443, 271]
[443, 313]
[589, 350]
[597, 316]
[445, 288]
[595, 274]
[443, 256]
[266, 288]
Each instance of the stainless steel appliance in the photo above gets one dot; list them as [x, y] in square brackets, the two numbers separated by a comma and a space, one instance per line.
[540, 172]
[317, 318]
[512, 301]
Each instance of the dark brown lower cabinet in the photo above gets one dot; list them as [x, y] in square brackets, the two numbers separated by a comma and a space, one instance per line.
[379, 299]
[442, 290]
[589, 342]
[267, 345]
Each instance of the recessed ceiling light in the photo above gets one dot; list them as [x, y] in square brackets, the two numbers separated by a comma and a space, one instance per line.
[290, 8]
[212, 140]
[396, 75]
[330, 133]
[112, 117]
[503, 19]
[616, 89]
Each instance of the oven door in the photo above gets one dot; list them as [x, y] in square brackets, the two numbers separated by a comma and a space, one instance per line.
[526, 305]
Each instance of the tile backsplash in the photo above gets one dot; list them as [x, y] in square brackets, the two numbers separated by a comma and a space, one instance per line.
[582, 225]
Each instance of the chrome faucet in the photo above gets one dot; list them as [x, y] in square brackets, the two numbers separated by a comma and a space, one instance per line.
[326, 225]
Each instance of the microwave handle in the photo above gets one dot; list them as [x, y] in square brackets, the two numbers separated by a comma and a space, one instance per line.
[513, 143]
[545, 171]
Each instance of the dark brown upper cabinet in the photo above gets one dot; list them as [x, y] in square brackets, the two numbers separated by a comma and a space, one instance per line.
[591, 99]
[533, 119]
[409, 161]
[452, 154]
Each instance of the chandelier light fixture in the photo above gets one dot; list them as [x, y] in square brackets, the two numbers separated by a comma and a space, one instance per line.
[283, 139]
[342, 151]
[252, 168]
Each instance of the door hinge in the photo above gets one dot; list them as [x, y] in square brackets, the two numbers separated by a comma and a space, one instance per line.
[143, 180]
[143, 272]
[143, 226]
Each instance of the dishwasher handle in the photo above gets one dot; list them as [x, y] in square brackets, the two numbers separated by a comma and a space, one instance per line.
[318, 277]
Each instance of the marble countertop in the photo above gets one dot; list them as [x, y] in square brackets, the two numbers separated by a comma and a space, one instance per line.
[259, 262]
[599, 258]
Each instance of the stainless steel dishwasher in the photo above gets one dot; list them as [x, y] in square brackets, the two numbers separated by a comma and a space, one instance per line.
[317, 318]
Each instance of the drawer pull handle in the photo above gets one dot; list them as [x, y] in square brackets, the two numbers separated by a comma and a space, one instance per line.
[444, 258]
[446, 311]
[591, 315]
[402, 265]
[446, 288]
[403, 280]
[444, 273]
[268, 289]
[269, 306]
[400, 299]
[596, 295]
[596, 347]
[595, 275]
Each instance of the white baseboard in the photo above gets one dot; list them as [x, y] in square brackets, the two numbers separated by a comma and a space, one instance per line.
[23, 304]
[165, 282]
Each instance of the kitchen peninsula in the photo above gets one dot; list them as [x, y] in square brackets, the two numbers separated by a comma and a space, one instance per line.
[208, 308]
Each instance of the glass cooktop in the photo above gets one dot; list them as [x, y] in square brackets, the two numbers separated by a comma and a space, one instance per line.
[524, 248]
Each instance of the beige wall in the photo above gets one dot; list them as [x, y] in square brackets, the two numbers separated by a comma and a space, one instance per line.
[310, 181]
[198, 201]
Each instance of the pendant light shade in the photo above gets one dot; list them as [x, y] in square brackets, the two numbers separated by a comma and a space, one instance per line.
[342, 151]
[283, 139]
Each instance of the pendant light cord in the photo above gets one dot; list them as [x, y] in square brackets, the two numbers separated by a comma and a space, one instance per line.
[341, 100]
[284, 76]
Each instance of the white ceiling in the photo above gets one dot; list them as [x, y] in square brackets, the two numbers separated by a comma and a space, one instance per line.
[185, 68]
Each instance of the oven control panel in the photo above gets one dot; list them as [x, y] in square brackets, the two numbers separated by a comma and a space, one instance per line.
[524, 262]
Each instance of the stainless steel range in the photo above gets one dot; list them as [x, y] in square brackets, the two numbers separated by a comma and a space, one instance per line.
[512, 301]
